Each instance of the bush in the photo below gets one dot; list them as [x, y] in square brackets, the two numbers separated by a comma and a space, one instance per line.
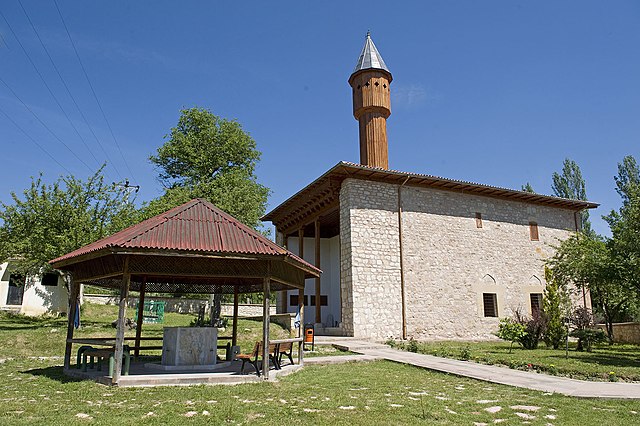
[534, 328]
[554, 303]
[589, 336]
[465, 353]
[510, 331]
[412, 346]
[583, 321]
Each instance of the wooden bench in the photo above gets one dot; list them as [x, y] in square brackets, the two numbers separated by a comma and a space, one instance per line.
[100, 355]
[285, 348]
[253, 357]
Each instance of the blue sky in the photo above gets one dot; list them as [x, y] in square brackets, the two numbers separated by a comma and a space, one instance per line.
[496, 92]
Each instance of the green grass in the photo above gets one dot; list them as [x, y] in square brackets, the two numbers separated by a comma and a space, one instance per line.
[35, 392]
[621, 360]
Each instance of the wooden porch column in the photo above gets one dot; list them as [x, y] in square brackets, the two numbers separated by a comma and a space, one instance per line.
[301, 329]
[301, 298]
[143, 289]
[318, 291]
[265, 328]
[284, 293]
[122, 305]
[74, 292]
[234, 332]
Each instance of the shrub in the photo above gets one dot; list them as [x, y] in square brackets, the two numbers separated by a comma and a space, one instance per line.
[554, 303]
[534, 328]
[588, 336]
[510, 331]
[583, 321]
[412, 346]
[465, 353]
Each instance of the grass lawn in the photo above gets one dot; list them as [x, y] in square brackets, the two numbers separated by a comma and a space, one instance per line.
[605, 363]
[35, 392]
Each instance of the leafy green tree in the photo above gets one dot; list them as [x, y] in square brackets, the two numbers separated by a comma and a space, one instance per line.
[511, 331]
[555, 307]
[528, 188]
[587, 261]
[627, 178]
[570, 184]
[50, 220]
[625, 241]
[209, 157]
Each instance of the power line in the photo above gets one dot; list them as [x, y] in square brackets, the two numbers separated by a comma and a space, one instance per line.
[49, 89]
[86, 122]
[44, 125]
[34, 141]
[84, 71]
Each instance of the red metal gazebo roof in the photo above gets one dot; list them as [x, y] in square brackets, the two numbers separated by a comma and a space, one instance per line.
[196, 226]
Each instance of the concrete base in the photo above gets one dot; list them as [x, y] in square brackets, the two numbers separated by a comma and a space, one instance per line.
[178, 368]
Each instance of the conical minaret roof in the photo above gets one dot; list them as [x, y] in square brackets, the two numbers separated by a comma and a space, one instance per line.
[370, 58]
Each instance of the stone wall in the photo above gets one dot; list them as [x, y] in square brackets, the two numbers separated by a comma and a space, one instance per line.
[448, 261]
[370, 260]
[625, 332]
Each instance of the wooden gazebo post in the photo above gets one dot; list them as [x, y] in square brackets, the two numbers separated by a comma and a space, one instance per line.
[234, 333]
[122, 306]
[265, 328]
[74, 293]
[143, 289]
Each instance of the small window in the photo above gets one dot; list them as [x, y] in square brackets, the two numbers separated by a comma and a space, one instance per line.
[50, 279]
[293, 300]
[536, 302]
[478, 220]
[490, 303]
[533, 231]
[16, 280]
[323, 300]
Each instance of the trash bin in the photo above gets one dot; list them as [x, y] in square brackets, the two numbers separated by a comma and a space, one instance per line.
[309, 337]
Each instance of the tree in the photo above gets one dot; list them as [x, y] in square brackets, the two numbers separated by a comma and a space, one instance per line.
[555, 307]
[625, 224]
[625, 241]
[628, 177]
[571, 185]
[528, 188]
[53, 219]
[511, 331]
[585, 260]
[209, 157]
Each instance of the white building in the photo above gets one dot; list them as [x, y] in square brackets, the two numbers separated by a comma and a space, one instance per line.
[45, 294]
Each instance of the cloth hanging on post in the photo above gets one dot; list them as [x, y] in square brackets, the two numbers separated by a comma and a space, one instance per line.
[76, 317]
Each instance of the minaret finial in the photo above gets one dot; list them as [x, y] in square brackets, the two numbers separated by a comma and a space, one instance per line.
[368, 34]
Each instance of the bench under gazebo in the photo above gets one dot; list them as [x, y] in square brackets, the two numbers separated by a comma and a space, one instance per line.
[193, 248]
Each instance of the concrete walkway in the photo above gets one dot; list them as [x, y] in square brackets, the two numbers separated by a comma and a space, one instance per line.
[492, 373]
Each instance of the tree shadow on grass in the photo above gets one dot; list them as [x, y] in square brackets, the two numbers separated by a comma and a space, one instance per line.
[53, 373]
[602, 359]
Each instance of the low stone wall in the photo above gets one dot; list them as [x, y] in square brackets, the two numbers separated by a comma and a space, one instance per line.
[183, 306]
[625, 332]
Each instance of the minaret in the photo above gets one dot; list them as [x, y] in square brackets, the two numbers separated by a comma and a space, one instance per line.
[372, 105]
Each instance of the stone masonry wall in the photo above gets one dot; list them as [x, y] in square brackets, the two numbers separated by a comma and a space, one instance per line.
[370, 267]
[449, 262]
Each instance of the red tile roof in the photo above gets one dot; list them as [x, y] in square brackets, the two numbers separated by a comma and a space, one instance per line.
[194, 226]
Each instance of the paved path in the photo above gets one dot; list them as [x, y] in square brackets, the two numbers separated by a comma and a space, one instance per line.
[494, 374]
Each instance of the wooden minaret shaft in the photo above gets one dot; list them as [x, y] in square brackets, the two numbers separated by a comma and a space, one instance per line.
[372, 107]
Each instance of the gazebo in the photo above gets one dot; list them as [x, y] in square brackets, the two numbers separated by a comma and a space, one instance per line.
[192, 248]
